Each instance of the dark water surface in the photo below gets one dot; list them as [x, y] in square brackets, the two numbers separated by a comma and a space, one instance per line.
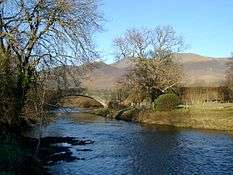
[127, 148]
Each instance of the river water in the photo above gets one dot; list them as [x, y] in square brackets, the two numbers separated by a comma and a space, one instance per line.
[122, 148]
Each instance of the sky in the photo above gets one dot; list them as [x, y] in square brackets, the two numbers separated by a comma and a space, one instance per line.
[206, 25]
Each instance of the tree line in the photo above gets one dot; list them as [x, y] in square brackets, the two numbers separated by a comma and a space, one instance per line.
[156, 69]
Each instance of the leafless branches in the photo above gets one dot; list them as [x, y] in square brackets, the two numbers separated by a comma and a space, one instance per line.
[159, 42]
[49, 31]
[37, 35]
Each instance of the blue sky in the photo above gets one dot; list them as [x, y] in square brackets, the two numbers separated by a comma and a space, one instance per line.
[206, 25]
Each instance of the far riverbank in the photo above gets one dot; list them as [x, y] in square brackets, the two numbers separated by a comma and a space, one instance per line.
[214, 116]
[207, 116]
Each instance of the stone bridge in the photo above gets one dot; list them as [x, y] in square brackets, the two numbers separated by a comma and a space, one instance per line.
[103, 98]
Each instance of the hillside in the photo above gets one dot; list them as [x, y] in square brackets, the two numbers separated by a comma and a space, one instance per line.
[203, 71]
[103, 77]
[199, 71]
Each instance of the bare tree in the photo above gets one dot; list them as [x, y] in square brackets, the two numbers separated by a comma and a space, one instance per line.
[133, 44]
[152, 52]
[159, 43]
[40, 34]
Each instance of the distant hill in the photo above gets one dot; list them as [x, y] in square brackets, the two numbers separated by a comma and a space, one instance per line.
[104, 76]
[203, 71]
[199, 71]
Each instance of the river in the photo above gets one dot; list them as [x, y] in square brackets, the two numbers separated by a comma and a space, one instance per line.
[122, 148]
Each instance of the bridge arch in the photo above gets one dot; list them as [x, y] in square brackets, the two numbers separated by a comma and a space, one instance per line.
[71, 100]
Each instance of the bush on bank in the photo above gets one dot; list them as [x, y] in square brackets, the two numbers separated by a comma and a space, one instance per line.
[167, 102]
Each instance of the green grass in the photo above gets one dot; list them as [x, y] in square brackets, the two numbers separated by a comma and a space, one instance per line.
[208, 116]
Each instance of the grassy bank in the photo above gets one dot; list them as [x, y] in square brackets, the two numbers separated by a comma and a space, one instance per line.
[209, 116]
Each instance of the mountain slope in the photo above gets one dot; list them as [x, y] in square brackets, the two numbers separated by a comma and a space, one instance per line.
[198, 70]
[203, 71]
[103, 77]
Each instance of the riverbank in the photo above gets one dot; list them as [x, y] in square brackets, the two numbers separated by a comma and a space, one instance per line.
[17, 156]
[27, 156]
[198, 118]
[208, 116]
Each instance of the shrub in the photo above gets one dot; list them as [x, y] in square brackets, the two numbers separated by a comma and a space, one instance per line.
[167, 102]
[128, 114]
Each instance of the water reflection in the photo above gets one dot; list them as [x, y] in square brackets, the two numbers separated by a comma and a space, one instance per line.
[127, 148]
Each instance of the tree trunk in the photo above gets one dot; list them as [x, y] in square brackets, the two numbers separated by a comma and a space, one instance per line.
[20, 97]
[19, 102]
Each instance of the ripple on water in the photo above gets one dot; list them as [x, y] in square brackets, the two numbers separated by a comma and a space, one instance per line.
[128, 148]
